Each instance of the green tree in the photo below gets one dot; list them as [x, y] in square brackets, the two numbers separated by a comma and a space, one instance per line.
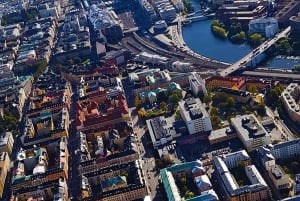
[283, 47]
[297, 68]
[177, 115]
[213, 111]
[219, 32]
[273, 97]
[189, 194]
[256, 39]
[207, 99]
[243, 109]
[238, 37]
[162, 96]
[230, 102]
[183, 180]
[188, 6]
[252, 88]
[261, 110]
[215, 121]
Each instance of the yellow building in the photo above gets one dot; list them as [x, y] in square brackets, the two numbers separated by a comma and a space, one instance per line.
[6, 142]
[4, 168]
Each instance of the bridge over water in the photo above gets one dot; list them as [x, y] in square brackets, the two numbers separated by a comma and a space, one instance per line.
[255, 53]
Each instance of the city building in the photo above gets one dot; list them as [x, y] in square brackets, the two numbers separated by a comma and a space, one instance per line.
[280, 179]
[297, 184]
[195, 116]
[238, 95]
[282, 151]
[257, 189]
[197, 84]
[267, 27]
[49, 10]
[36, 168]
[151, 96]
[73, 39]
[119, 149]
[91, 116]
[4, 169]
[221, 135]
[290, 98]
[6, 142]
[165, 10]
[105, 20]
[117, 182]
[203, 183]
[294, 22]
[161, 131]
[149, 79]
[170, 175]
[286, 11]
[228, 82]
[250, 131]
[242, 13]
[151, 58]
[48, 126]
[182, 67]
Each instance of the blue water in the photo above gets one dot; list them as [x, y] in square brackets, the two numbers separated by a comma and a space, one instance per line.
[283, 63]
[200, 39]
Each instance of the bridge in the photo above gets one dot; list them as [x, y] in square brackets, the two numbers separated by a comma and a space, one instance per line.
[199, 17]
[257, 51]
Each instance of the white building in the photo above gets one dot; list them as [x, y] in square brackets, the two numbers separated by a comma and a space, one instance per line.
[250, 131]
[289, 97]
[297, 184]
[195, 116]
[161, 131]
[233, 159]
[280, 179]
[165, 10]
[203, 183]
[151, 58]
[268, 27]
[197, 84]
[257, 190]
[269, 155]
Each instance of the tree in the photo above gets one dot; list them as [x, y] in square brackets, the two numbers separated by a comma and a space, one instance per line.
[252, 88]
[215, 121]
[141, 113]
[137, 101]
[213, 111]
[207, 99]
[174, 98]
[243, 109]
[230, 102]
[239, 37]
[261, 110]
[183, 181]
[163, 106]
[189, 194]
[162, 96]
[256, 39]
[177, 115]
[219, 97]
[219, 32]
[283, 47]
[273, 96]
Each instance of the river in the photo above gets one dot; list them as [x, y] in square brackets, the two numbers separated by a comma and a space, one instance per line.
[200, 39]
